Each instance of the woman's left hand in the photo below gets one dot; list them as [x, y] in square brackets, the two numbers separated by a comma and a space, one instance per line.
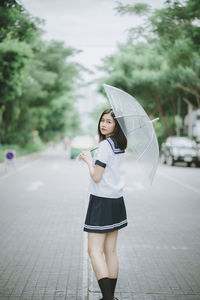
[86, 156]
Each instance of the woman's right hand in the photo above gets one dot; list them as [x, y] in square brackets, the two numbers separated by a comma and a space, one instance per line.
[86, 156]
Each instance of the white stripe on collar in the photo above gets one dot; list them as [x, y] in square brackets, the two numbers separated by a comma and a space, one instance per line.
[114, 147]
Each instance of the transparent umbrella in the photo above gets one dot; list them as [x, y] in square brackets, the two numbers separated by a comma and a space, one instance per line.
[139, 131]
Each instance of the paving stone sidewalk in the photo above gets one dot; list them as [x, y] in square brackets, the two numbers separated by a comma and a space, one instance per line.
[41, 234]
[43, 249]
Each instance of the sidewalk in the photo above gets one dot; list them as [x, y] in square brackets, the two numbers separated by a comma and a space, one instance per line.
[41, 234]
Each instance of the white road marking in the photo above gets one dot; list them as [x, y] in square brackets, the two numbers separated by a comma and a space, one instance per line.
[34, 186]
[85, 273]
[187, 186]
[90, 282]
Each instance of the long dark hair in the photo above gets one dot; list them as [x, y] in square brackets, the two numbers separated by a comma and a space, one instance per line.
[118, 133]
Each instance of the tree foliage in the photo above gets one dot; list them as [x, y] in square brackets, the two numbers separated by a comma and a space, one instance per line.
[37, 80]
[160, 62]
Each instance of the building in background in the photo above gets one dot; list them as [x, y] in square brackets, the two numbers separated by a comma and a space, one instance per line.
[192, 124]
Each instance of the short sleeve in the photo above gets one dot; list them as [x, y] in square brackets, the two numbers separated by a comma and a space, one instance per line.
[103, 154]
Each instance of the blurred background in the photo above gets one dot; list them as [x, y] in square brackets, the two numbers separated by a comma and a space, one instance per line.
[55, 57]
[54, 62]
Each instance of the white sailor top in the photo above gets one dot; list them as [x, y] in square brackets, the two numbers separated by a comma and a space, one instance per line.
[109, 156]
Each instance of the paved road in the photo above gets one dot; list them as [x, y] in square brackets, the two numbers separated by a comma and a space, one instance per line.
[43, 248]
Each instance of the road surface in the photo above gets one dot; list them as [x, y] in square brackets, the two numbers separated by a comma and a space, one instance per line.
[43, 247]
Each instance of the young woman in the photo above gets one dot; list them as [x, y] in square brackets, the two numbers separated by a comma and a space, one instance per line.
[106, 212]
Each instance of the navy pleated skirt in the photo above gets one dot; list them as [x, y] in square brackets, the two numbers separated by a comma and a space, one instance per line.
[105, 214]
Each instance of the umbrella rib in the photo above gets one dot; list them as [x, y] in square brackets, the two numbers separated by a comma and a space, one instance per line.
[137, 128]
[137, 116]
[144, 124]
[130, 116]
[146, 147]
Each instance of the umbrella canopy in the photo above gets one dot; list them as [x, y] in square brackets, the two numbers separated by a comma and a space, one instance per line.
[139, 131]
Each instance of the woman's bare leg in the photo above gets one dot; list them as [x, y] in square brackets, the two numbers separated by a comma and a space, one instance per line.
[111, 254]
[95, 251]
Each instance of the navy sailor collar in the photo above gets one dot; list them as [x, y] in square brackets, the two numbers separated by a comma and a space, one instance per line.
[113, 143]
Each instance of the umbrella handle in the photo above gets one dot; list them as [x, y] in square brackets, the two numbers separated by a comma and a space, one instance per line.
[93, 149]
[154, 120]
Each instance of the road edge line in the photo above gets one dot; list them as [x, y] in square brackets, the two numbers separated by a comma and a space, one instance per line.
[179, 182]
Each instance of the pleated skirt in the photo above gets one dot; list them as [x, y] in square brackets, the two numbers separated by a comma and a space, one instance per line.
[105, 214]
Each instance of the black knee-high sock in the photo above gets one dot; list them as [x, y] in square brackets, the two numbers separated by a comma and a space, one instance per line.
[105, 286]
[113, 282]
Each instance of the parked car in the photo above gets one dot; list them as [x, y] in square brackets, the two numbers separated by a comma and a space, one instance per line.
[180, 149]
[81, 143]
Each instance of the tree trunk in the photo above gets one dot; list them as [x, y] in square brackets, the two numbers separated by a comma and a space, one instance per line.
[193, 92]
[171, 98]
[163, 118]
[7, 119]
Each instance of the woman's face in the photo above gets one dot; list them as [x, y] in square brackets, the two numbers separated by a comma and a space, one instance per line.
[107, 125]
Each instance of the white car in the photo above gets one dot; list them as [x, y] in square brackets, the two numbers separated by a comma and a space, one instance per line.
[180, 149]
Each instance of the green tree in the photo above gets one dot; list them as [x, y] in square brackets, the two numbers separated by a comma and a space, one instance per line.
[175, 27]
[17, 31]
[159, 63]
[16, 23]
[13, 59]
[141, 70]
[38, 80]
